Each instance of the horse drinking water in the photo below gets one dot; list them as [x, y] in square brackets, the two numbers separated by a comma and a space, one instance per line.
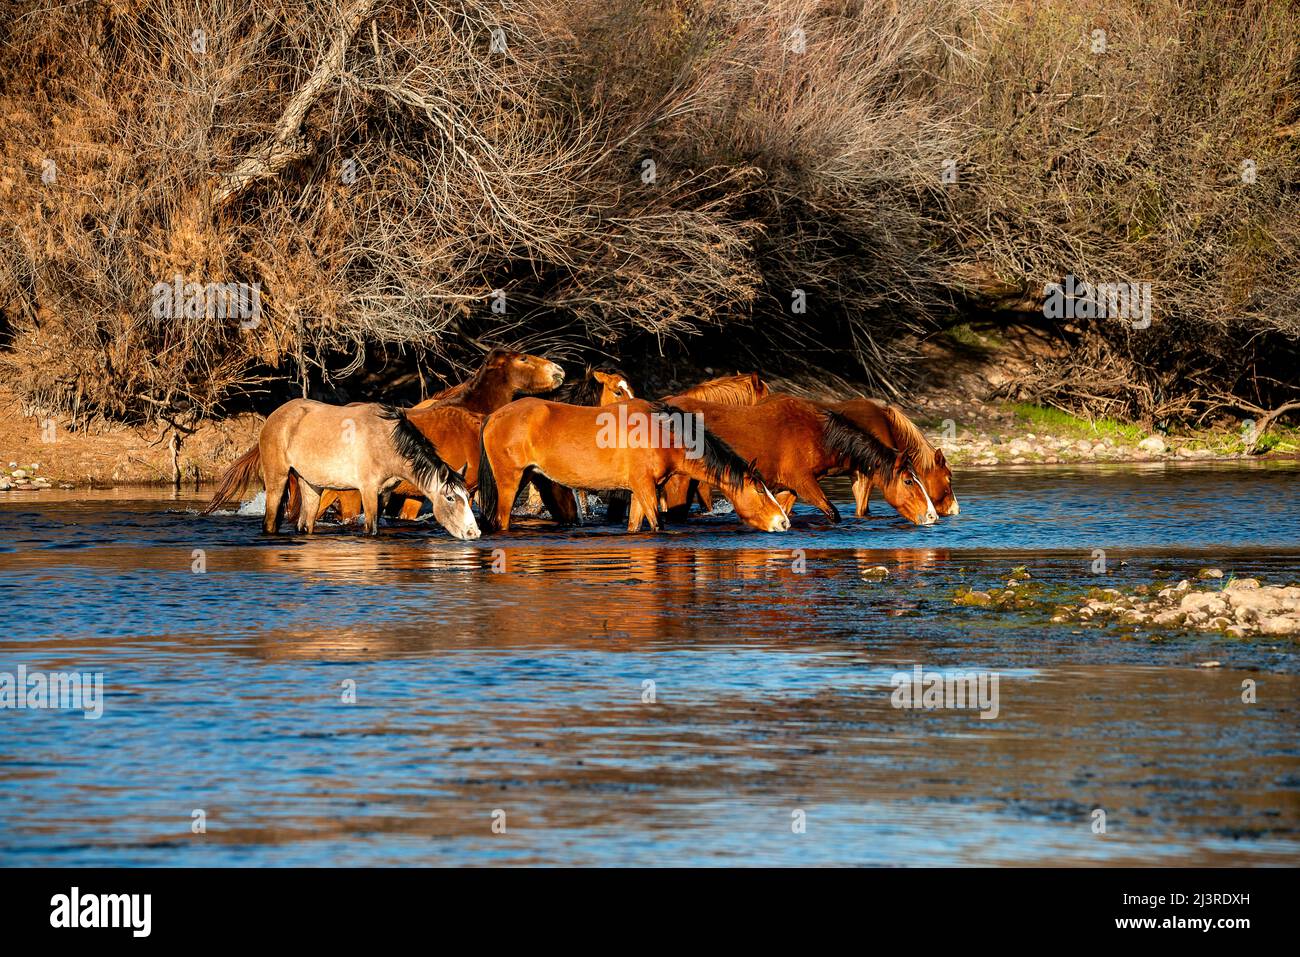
[368, 447]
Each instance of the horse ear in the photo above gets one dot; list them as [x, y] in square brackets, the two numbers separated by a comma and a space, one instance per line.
[939, 460]
[463, 470]
[898, 461]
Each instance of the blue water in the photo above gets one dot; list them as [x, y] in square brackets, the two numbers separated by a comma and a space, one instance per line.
[225, 656]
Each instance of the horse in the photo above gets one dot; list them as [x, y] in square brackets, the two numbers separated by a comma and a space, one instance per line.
[888, 423]
[744, 388]
[634, 448]
[741, 389]
[595, 387]
[355, 447]
[502, 375]
[793, 443]
[453, 430]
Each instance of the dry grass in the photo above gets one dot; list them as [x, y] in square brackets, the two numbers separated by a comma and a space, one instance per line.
[778, 167]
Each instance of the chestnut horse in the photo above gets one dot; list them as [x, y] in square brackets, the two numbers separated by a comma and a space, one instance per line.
[889, 424]
[578, 446]
[369, 447]
[503, 375]
[741, 389]
[793, 443]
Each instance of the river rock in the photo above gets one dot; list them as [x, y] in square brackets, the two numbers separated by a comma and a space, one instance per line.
[1205, 573]
[19, 474]
[1153, 444]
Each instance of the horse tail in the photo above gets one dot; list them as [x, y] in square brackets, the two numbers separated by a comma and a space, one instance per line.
[487, 487]
[865, 452]
[236, 479]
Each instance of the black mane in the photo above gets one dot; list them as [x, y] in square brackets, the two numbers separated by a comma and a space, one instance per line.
[414, 446]
[720, 461]
[866, 452]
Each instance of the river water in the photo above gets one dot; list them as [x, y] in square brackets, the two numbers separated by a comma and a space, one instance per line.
[707, 695]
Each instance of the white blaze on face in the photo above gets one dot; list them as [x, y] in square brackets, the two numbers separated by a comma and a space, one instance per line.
[931, 516]
[622, 384]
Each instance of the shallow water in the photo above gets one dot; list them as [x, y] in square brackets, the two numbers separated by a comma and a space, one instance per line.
[523, 692]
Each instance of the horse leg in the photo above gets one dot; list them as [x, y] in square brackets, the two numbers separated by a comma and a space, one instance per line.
[861, 492]
[705, 494]
[812, 493]
[327, 498]
[276, 480]
[370, 505]
[349, 506]
[645, 503]
[558, 499]
[616, 508]
[310, 507]
[678, 492]
[508, 479]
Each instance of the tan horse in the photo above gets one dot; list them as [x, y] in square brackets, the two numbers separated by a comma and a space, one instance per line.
[631, 445]
[889, 424]
[368, 447]
[503, 375]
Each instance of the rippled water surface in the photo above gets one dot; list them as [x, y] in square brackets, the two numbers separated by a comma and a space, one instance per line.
[226, 657]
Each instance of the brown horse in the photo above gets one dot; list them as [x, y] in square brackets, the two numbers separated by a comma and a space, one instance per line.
[368, 447]
[793, 443]
[889, 424]
[503, 375]
[741, 389]
[633, 448]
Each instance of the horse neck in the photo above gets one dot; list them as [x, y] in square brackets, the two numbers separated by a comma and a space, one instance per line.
[696, 469]
[487, 394]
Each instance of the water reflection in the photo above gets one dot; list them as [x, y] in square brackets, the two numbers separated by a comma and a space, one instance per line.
[769, 662]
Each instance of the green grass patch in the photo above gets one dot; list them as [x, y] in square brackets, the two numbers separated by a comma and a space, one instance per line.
[1056, 422]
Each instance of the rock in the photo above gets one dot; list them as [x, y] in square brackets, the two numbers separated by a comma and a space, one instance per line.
[1241, 584]
[1208, 664]
[20, 474]
[978, 599]
[875, 572]
[1153, 444]
[4, 486]
[1287, 625]
[1205, 573]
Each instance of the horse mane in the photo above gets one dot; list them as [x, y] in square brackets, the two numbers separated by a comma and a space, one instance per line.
[909, 439]
[741, 389]
[587, 389]
[866, 452]
[721, 463]
[428, 468]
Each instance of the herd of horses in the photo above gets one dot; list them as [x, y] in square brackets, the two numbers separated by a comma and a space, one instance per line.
[760, 450]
